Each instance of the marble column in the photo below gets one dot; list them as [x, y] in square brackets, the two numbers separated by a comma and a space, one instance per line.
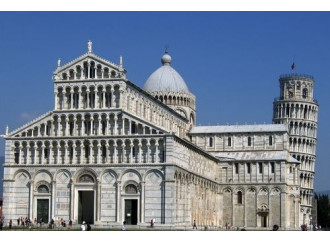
[74, 158]
[118, 203]
[20, 161]
[50, 158]
[53, 198]
[99, 146]
[31, 183]
[27, 154]
[142, 202]
[115, 160]
[98, 202]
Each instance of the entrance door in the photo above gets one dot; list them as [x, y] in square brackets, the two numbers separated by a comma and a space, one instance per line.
[131, 211]
[86, 207]
[264, 221]
[43, 210]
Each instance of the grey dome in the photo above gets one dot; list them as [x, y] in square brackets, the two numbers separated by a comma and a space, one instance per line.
[166, 79]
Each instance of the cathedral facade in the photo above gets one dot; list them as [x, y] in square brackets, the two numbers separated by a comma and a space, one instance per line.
[111, 151]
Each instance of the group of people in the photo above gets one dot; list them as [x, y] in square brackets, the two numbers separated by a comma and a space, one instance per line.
[313, 227]
[26, 222]
[60, 223]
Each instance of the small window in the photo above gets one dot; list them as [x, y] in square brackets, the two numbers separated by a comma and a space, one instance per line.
[272, 166]
[210, 142]
[248, 168]
[249, 141]
[229, 141]
[131, 189]
[290, 169]
[236, 168]
[260, 167]
[239, 197]
[270, 140]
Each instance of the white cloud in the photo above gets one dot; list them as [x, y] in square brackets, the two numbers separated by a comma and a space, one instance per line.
[29, 116]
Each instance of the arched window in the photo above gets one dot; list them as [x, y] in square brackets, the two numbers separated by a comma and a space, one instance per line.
[86, 178]
[210, 141]
[305, 93]
[249, 141]
[131, 189]
[43, 189]
[239, 197]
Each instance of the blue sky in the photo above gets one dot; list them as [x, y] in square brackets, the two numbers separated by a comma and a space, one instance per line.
[231, 61]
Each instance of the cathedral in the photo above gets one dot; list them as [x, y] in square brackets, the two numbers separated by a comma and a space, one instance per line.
[111, 151]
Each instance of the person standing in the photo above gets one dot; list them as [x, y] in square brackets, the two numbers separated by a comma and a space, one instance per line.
[10, 223]
[70, 224]
[88, 227]
[123, 228]
[152, 223]
[83, 226]
[194, 224]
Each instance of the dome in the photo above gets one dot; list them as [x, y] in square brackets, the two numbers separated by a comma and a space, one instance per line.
[166, 79]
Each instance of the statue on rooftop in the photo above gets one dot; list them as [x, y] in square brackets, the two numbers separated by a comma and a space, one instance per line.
[89, 44]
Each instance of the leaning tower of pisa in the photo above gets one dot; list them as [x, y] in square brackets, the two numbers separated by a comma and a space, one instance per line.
[297, 108]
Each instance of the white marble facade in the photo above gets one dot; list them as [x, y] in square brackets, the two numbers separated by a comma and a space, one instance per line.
[111, 151]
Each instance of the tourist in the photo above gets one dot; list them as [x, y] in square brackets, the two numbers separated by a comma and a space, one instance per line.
[123, 228]
[83, 226]
[151, 223]
[88, 227]
[70, 224]
[10, 223]
[275, 227]
[194, 225]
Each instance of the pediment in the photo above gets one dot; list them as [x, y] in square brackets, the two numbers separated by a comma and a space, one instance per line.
[88, 66]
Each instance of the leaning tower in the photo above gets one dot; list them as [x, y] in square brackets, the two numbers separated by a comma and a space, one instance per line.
[297, 108]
